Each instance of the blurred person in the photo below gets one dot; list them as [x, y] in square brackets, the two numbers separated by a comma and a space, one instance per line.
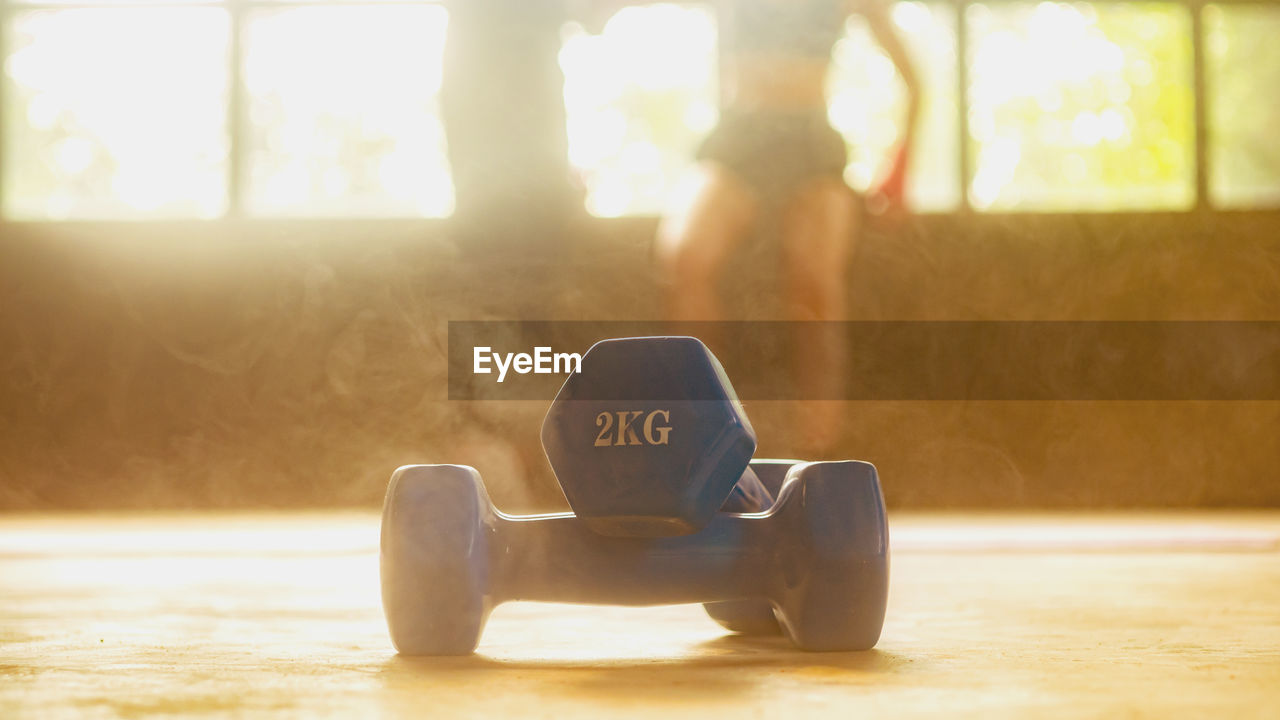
[775, 154]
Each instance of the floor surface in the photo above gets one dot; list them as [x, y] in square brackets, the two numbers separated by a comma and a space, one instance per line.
[991, 615]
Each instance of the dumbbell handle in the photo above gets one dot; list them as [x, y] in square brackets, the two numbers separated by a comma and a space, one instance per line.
[556, 558]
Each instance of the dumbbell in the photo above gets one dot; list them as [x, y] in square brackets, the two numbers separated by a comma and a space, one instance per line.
[818, 556]
[648, 438]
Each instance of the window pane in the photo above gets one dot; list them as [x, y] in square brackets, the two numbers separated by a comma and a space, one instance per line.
[1243, 77]
[343, 111]
[867, 103]
[1081, 106]
[638, 97]
[116, 113]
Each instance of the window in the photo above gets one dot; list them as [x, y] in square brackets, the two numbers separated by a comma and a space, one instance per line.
[1055, 107]
[342, 114]
[116, 112]
[867, 102]
[1243, 80]
[1080, 106]
[637, 98]
[115, 109]
[269, 109]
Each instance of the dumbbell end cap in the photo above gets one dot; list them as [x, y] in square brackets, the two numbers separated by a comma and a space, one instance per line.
[839, 552]
[433, 559]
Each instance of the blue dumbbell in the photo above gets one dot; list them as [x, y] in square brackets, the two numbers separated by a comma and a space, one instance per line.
[818, 557]
[648, 439]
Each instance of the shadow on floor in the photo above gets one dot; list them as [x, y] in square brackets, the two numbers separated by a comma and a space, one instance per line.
[732, 664]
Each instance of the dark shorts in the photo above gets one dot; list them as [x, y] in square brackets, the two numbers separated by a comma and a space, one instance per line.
[775, 152]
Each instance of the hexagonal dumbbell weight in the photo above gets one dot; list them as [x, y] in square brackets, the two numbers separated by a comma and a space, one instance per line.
[649, 438]
[818, 557]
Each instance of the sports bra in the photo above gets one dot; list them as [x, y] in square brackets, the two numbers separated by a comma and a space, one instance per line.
[805, 28]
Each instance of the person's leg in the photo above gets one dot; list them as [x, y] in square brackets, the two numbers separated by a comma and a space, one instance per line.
[819, 231]
[694, 242]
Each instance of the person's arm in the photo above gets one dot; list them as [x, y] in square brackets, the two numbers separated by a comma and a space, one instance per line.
[892, 185]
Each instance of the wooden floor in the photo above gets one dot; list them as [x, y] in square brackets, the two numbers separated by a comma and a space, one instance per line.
[990, 616]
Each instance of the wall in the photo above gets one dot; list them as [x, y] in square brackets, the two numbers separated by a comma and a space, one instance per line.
[298, 363]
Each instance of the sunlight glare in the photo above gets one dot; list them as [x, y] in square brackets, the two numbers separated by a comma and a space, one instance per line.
[115, 133]
[866, 103]
[637, 98]
[1056, 85]
[345, 114]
